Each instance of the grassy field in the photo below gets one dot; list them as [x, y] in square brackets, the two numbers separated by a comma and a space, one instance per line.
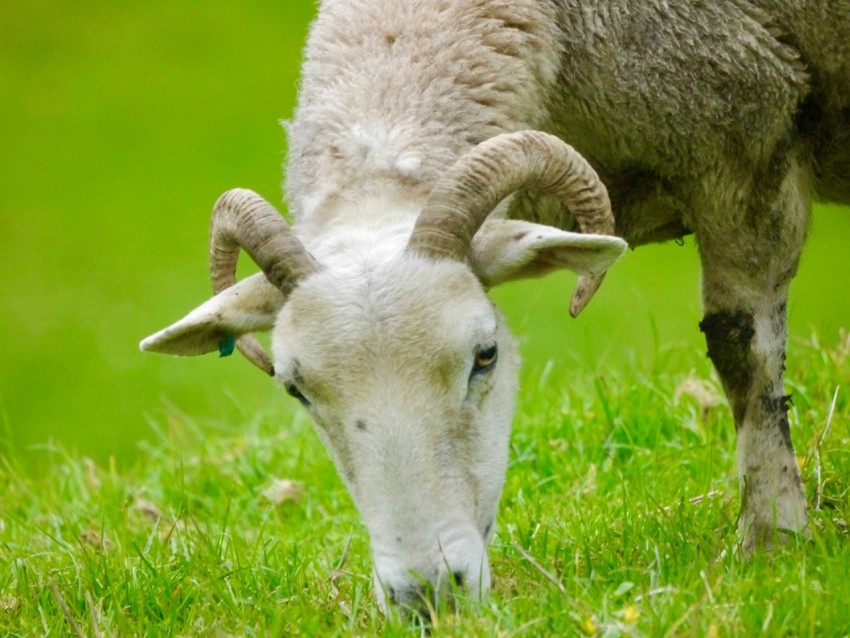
[134, 489]
[618, 518]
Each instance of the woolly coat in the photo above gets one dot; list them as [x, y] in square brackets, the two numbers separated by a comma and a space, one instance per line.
[674, 102]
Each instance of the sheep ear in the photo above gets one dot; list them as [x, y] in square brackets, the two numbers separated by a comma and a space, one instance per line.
[506, 249]
[249, 306]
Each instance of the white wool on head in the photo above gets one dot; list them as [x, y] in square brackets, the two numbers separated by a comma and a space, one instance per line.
[412, 102]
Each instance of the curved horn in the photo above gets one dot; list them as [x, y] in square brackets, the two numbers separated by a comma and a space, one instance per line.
[464, 197]
[244, 220]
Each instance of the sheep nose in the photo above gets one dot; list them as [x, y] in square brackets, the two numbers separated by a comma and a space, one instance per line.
[413, 595]
[419, 600]
[423, 577]
[410, 593]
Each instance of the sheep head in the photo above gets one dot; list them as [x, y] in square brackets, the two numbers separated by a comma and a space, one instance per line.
[403, 362]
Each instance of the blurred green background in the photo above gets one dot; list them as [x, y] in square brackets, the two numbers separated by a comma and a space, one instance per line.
[121, 123]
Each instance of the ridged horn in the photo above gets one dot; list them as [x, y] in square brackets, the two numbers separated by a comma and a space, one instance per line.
[244, 220]
[463, 198]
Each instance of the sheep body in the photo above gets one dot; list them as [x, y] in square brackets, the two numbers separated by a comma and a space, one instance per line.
[660, 96]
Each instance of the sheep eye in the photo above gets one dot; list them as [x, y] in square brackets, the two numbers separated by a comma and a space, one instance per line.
[485, 359]
[293, 391]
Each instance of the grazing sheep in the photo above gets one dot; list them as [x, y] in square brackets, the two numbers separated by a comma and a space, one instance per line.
[413, 193]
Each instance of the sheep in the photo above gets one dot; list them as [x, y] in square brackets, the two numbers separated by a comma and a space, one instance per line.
[428, 163]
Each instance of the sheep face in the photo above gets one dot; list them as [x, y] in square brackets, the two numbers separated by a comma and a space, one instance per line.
[382, 328]
[410, 375]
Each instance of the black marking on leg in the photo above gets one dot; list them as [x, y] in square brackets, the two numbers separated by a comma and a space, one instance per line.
[361, 425]
[777, 412]
[728, 336]
[785, 430]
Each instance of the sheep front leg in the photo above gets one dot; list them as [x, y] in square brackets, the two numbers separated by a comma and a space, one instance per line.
[747, 346]
[747, 268]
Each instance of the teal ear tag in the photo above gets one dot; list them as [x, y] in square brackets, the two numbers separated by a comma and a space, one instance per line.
[226, 345]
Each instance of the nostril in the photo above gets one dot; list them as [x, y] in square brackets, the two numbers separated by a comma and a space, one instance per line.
[458, 578]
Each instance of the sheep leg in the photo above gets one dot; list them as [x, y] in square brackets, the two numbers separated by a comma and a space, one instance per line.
[747, 348]
[748, 264]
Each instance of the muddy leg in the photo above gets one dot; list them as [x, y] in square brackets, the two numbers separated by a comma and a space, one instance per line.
[746, 344]
[747, 268]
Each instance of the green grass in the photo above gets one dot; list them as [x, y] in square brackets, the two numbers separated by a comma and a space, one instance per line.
[602, 495]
